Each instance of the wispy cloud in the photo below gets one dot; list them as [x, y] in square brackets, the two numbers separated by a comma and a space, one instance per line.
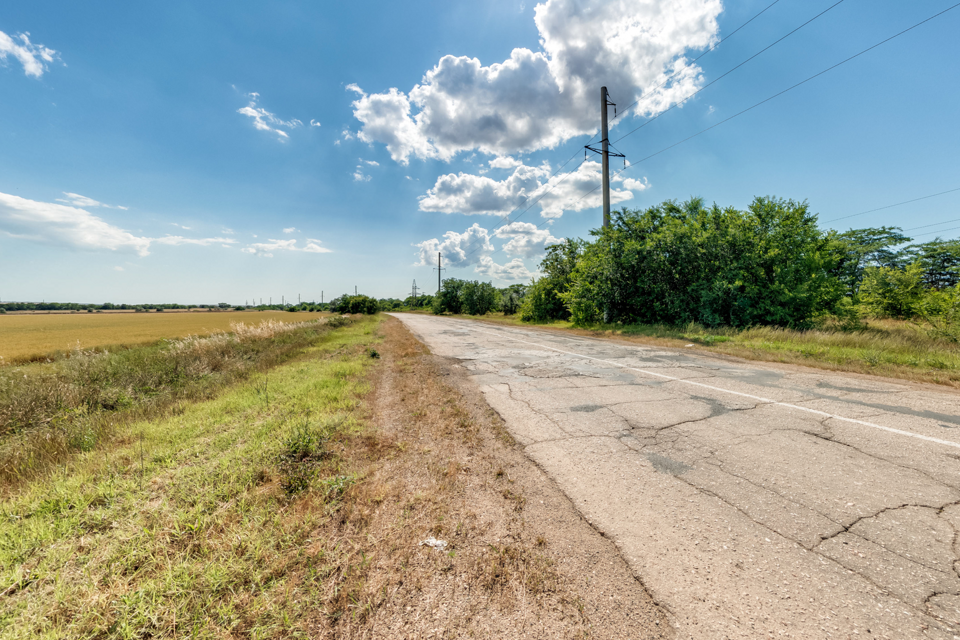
[263, 120]
[266, 249]
[33, 57]
[314, 123]
[290, 230]
[359, 175]
[77, 200]
[72, 226]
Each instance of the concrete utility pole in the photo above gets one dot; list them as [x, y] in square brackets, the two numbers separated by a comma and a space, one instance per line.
[604, 152]
[354, 289]
[440, 270]
[605, 157]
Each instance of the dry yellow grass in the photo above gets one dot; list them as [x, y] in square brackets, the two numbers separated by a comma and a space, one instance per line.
[25, 336]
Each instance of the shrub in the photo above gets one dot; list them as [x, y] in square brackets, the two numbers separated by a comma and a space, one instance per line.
[892, 292]
[448, 299]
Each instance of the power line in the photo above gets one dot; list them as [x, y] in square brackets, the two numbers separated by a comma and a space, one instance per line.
[672, 75]
[506, 219]
[780, 93]
[717, 79]
[890, 206]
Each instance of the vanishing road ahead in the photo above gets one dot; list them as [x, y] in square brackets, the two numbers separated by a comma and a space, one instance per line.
[752, 500]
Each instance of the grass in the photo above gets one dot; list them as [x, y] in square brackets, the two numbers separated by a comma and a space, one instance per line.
[279, 511]
[890, 348]
[49, 411]
[200, 524]
[28, 337]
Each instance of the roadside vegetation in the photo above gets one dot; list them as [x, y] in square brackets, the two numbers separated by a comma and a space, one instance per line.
[765, 283]
[51, 410]
[293, 503]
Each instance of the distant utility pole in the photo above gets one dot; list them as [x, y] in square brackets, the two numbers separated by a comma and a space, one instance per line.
[414, 292]
[354, 289]
[439, 269]
[321, 296]
[298, 298]
[604, 152]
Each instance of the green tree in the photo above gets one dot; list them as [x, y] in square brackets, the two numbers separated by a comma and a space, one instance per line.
[892, 292]
[940, 261]
[511, 298]
[448, 299]
[858, 249]
[543, 298]
[479, 298]
[685, 262]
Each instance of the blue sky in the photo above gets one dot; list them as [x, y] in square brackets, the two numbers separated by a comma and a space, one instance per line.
[233, 151]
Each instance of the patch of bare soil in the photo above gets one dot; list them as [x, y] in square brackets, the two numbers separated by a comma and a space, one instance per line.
[519, 560]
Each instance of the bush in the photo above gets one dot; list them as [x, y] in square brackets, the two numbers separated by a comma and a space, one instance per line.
[892, 292]
[355, 304]
[448, 299]
[511, 298]
[479, 298]
[543, 299]
[680, 263]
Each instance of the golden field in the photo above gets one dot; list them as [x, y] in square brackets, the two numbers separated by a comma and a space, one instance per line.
[23, 337]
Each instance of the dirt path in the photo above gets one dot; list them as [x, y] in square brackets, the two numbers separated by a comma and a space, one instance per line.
[753, 500]
[520, 561]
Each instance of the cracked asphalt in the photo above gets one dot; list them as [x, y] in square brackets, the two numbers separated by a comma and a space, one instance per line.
[753, 501]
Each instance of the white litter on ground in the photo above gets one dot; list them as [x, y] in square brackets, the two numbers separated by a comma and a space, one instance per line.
[440, 545]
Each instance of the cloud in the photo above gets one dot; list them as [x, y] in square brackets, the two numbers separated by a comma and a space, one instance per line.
[474, 194]
[372, 163]
[33, 57]
[538, 99]
[504, 162]
[359, 175]
[118, 269]
[525, 239]
[314, 123]
[77, 200]
[266, 249]
[512, 271]
[70, 226]
[227, 231]
[202, 242]
[290, 230]
[181, 226]
[458, 249]
[60, 224]
[263, 119]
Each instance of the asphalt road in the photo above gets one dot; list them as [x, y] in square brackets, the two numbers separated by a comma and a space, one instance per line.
[752, 500]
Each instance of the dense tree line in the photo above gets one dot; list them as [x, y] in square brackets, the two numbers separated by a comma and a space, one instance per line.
[676, 263]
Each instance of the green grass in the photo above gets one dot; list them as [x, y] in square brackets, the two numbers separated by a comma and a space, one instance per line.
[198, 524]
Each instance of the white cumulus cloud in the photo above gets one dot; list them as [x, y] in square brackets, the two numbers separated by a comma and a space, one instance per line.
[538, 99]
[525, 239]
[359, 175]
[266, 121]
[474, 194]
[511, 272]
[458, 249]
[33, 57]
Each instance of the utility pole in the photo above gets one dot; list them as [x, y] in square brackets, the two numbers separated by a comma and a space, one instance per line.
[440, 270]
[414, 293]
[604, 152]
[321, 296]
[354, 289]
[606, 157]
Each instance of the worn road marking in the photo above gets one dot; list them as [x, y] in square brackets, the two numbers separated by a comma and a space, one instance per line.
[834, 416]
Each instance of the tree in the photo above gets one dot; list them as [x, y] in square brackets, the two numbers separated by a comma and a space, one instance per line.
[677, 263]
[511, 298]
[858, 249]
[940, 261]
[543, 298]
[479, 298]
[448, 299]
[893, 292]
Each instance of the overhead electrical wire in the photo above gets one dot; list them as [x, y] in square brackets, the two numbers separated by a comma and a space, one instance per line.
[890, 206]
[780, 93]
[506, 219]
[726, 73]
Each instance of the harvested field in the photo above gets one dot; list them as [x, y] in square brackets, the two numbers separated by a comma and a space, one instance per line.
[31, 336]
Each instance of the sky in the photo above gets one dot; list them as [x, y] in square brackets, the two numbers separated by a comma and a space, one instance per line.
[202, 152]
